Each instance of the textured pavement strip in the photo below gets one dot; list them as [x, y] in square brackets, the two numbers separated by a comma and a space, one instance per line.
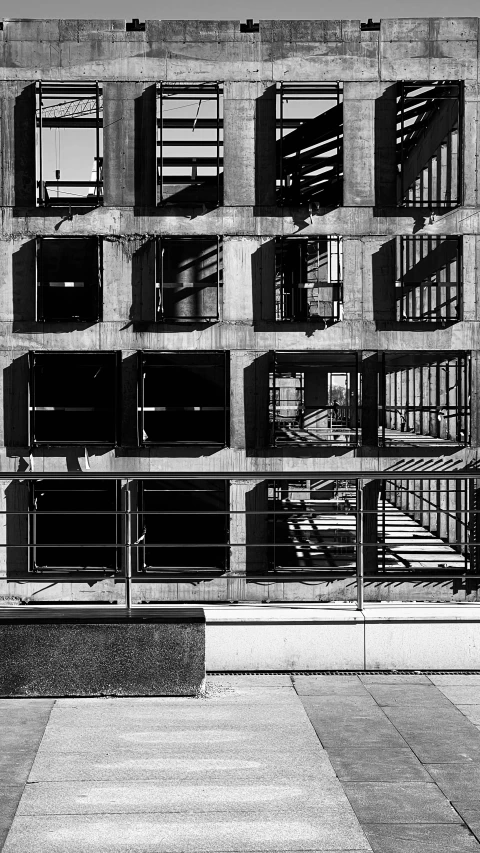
[243, 769]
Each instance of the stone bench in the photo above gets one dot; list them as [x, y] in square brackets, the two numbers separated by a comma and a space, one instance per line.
[101, 651]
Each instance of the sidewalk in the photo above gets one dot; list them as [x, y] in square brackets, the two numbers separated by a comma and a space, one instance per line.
[262, 763]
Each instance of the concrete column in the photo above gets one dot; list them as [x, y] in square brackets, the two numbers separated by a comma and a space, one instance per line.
[248, 529]
[370, 525]
[17, 144]
[352, 279]
[129, 111]
[370, 399]
[359, 143]
[471, 144]
[249, 143]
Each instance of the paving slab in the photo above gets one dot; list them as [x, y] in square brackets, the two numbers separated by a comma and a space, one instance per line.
[418, 838]
[381, 678]
[407, 694]
[403, 802]
[455, 680]
[471, 816]
[457, 781]
[128, 764]
[9, 799]
[377, 765]
[354, 730]
[312, 685]
[461, 694]
[15, 765]
[180, 795]
[471, 712]
[324, 830]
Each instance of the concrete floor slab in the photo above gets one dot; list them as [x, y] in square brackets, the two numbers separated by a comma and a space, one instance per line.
[372, 764]
[9, 799]
[404, 802]
[325, 830]
[418, 838]
[471, 816]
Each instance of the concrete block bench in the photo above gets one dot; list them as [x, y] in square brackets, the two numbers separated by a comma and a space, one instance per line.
[101, 651]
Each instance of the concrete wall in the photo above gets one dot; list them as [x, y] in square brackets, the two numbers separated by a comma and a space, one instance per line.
[128, 64]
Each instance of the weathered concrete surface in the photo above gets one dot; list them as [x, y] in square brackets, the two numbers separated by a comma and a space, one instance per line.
[97, 655]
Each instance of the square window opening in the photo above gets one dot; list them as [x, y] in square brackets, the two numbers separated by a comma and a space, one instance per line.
[309, 279]
[429, 143]
[190, 143]
[74, 528]
[69, 278]
[184, 398]
[69, 119]
[425, 399]
[184, 527]
[74, 398]
[310, 144]
[428, 286]
[189, 278]
[314, 399]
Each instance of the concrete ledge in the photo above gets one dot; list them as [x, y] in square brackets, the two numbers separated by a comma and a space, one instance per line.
[101, 651]
[337, 636]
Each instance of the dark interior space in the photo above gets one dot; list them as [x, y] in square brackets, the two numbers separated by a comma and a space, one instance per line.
[189, 277]
[76, 514]
[193, 534]
[69, 279]
[73, 398]
[184, 398]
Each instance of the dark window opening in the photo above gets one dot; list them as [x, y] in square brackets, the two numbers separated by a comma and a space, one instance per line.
[310, 144]
[313, 527]
[429, 277]
[190, 143]
[429, 144]
[70, 144]
[426, 398]
[73, 526]
[314, 399]
[184, 398]
[308, 279]
[73, 398]
[189, 277]
[69, 278]
[184, 525]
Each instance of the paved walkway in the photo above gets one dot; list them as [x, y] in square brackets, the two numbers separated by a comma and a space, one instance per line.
[389, 764]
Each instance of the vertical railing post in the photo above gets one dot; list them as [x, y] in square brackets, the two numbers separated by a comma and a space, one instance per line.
[128, 548]
[359, 503]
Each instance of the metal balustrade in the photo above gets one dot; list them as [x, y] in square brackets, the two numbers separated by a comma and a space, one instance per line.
[343, 534]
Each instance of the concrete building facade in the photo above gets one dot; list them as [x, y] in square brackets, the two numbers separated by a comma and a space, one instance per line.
[238, 277]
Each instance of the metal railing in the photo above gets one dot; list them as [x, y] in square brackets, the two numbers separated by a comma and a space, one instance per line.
[420, 529]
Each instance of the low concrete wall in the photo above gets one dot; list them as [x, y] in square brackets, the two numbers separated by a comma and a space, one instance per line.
[330, 637]
[102, 652]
